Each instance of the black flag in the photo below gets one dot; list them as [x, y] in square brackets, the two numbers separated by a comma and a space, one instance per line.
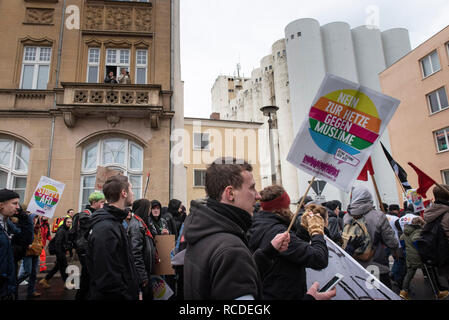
[398, 170]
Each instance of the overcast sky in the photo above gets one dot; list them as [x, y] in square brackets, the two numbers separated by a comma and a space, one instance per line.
[218, 34]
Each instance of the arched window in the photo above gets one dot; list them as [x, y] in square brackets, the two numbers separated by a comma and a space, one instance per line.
[114, 153]
[14, 158]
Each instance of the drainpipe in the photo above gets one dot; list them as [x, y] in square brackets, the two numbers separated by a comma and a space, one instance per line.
[172, 82]
[58, 66]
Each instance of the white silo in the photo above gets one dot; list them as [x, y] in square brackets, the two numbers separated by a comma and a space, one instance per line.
[370, 58]
[338, 50]
[306, 71]
[256, 78]
[396, 44]
[284, 118]
[248, 100]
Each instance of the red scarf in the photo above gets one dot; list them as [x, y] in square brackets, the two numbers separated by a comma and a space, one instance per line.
[281, 202]
[147, 232]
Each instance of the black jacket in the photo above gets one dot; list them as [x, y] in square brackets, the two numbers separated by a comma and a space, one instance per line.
[143, 249]
[80, 226]
[109, 260]
[62, 241]
[335, 227]
[286, 280]
[177, 219]
[218, 264]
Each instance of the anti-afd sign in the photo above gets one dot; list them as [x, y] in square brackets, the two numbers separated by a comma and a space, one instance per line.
[358, 283]
[340, 131]
[46, 197]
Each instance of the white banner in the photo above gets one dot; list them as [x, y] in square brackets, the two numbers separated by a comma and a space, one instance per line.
[357, 284]
[344, 124]
[46, 197]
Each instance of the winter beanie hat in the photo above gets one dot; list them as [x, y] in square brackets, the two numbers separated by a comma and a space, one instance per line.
[6, 195]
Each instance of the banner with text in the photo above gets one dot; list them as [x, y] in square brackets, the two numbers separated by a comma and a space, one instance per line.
[340, 131]
[357, 284]
[46, 197]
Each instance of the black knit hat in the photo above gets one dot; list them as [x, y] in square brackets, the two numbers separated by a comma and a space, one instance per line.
[6, 195]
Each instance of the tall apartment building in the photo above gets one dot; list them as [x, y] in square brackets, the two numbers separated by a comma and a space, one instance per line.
[57, 116]
[290, 76]
[419, 130]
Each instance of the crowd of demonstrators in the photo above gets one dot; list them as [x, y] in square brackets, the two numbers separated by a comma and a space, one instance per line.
[286, 280]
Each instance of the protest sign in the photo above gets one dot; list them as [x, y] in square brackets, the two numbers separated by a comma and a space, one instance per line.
[340, 131]
[414, 198]
[46, 197]
[357, 283]
[164, 245]
[161, 290]
[102, 175]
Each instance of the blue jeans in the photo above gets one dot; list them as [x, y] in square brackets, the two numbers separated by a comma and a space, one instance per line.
[28, 269]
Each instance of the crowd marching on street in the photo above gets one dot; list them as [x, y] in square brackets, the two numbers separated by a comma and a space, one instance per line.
[235, 244]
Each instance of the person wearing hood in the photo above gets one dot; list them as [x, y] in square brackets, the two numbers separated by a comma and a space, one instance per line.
[142, 245]
[157, 224]
[177, 216]
[380, 232]
[110, 262]
[440, 208]
[215, 234]
[286, 280]
[11, 234]
[62, 245]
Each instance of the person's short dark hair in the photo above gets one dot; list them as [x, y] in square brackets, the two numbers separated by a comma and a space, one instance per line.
[70, 210]
[385, 205]
[114, 186]
[225, 172]
[440, 194]
[332, 205]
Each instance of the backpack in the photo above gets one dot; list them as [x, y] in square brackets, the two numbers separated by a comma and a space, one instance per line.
[75, 236]
[357, 228]
[52, 246]
[433, 245]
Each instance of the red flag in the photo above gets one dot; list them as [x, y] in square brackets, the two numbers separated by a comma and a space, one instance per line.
[364, 173]
[424, 181]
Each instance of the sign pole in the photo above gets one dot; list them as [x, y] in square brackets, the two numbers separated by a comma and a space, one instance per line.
[377, 193]
[300, 205]
[146, 186]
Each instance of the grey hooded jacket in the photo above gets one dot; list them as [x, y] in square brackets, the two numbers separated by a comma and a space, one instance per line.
[379, 229]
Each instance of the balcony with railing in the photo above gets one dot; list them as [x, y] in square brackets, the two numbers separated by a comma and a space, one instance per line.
[77, 100]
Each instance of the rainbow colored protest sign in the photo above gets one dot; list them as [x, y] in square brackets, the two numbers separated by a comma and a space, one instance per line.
[46, 197]
[340, 131]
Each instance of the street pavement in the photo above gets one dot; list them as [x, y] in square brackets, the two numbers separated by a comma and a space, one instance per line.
[420, 288]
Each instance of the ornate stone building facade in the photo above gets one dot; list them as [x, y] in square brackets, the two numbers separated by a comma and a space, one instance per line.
[59, 118]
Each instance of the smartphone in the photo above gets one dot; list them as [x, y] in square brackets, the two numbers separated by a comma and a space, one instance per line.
[332, 283]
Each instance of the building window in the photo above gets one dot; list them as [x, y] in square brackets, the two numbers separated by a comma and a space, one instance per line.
[115, 153]
[93, 65]
[200, 141]
[14, 158]
[35, 68]
[199, 178]
[430, 64]
[116, 59]
[442, 139]
[437, 100]
[446, 176]
[141, 66]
